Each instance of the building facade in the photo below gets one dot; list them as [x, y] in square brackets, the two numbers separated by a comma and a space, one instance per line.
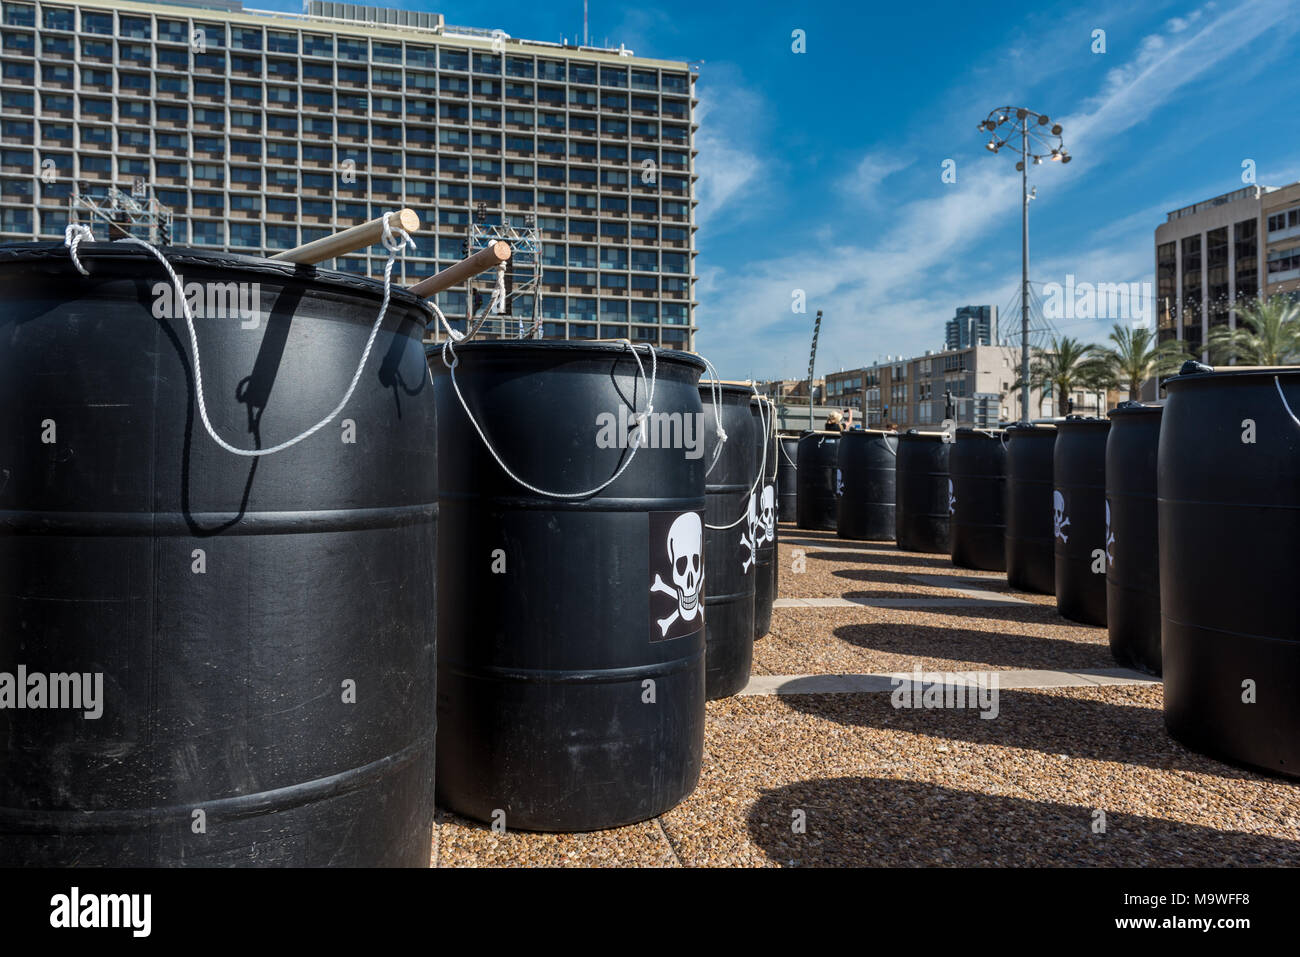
[972, 326]
[265, 130]
[908, 393]
[1213, 254]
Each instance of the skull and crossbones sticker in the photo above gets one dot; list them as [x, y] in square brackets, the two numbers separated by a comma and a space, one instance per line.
[952, 499]
[768, 516]
[677, 563]
[1059, 519]
[750, 538]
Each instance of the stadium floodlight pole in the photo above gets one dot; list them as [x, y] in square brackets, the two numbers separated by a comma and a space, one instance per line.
[1002, 124]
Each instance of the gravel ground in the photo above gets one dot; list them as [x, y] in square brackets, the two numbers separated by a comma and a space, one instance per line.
[1067, 776]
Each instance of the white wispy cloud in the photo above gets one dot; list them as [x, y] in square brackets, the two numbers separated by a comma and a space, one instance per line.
[890, 292]
[729, 164]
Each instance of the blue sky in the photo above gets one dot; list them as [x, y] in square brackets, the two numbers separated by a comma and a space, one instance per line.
[821, 171]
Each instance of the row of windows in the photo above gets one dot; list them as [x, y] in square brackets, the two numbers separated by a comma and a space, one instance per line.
[201, 35]
[1286, 219]
[323, 76]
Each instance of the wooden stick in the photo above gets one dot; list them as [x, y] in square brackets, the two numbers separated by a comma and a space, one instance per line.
[487, 258]
[348, 241]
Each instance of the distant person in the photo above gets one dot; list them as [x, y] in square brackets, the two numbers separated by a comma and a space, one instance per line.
[848, 419]
[833, 421]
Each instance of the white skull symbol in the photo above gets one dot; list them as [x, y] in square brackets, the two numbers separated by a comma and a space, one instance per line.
[839, 482]
[952, 499]
[1059, 521]
[750, 541]
[1110, 539]
[684, 539]
[769, 513]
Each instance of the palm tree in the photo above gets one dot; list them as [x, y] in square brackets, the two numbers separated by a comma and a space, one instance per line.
[1136, 357]
[1267, 334]
[1066, 365]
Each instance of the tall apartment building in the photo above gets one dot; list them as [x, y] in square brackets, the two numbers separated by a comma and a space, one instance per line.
[972, 326]
[264, 130]
[1212, 254]
[913, 393]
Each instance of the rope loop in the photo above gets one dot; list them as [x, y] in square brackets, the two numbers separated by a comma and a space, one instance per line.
[633, 443]
[395, 241]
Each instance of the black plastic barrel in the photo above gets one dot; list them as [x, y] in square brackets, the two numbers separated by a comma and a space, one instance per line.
[571, 646]
[251, 640]
[787, 478]
[921, 495]
[1229, 507]
[729, 559]
[765, 579]
[977, 469]
[1079, 518]
[1031, 561]
[817, 504]
[868, 469]
[1132, 540]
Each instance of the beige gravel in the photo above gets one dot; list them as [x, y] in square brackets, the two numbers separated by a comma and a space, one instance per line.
[879, 786]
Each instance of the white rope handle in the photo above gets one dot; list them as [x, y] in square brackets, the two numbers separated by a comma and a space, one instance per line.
[715, 396]
[395, 240]
[781, 445]
[1285, 404]
[894, 450]
[764, 418]
[638, 420]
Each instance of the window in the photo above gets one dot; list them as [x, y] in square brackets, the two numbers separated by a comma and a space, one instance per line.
[316, 45]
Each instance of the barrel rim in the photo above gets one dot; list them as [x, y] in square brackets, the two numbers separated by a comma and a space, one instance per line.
[1229, 373]
[182, 256]
[883, 433]
[1136, 409]
[707, 386]
[916, 435]
[584, 347]
[1084, 424]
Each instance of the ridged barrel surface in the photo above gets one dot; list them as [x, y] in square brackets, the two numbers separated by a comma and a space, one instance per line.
[787, 478]
[977, 469]
[1229, 514]
[921, 513]
[1031, 561]
[868, 468]
[818, 462]
[1132, 539]
[1079, 519]
[260, 630]
[565, 614]
[765, 579]
[729, 558]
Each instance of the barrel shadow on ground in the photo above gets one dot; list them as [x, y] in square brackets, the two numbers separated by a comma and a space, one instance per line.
[1029, 652]
[868, 821]
[1029, 613]
[1070, 727]
[893, 557]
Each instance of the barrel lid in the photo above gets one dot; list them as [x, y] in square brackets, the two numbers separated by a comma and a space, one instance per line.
[874, 433]
[1128, 408]
[1083, 422]
[1193, 371]
[995, 434]
[104, 260]
[1029, 428]
[580, 348]
[726, 388]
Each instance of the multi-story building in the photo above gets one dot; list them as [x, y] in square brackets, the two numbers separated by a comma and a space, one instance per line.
[916, 393]
[1210, 255]
[265, 130]
[972, 326]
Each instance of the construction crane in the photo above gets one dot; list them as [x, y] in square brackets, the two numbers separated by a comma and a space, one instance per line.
[812, 361]
[123, 214]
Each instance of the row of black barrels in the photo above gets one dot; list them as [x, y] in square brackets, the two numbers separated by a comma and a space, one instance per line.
[209, 659]
[1170, 525]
